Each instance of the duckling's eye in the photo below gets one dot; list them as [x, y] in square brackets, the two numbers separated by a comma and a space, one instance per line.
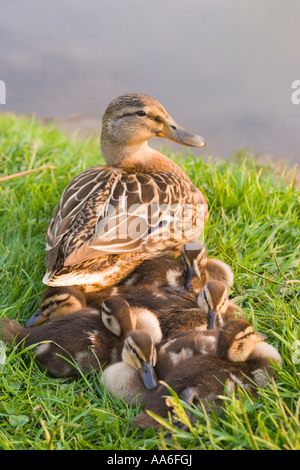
[140, 113]
[51, 303]
[133, 350]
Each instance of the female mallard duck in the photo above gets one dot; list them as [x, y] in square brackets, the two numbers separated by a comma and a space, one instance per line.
[89, 337]
[242, 359]
[111, 218]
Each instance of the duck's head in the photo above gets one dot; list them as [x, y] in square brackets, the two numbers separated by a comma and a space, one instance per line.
[237, 339]
[56, 302]
[117, 316]
[194, 257]
[131, 120]
[213, 300]
[139, 352]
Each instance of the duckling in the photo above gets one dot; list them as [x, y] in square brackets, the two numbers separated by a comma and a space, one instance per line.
[92, 338]
[200, 269]
[129, 378]
[191, 271]
[243, 359]
[184, 345]
[213, 300]
[112, 217]
[167, 271]
[200, 327]
[56, 302]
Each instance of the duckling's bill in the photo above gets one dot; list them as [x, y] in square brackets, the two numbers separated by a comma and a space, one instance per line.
[211, 320]
[189, 277]
[36, 318]
[148, 376]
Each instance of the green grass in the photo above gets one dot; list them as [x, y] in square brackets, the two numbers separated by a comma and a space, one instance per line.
[254, 225]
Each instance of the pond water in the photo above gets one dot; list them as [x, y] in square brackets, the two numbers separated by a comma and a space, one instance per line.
[222, 68]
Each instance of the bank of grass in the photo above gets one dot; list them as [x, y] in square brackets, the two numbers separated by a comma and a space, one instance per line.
[254, 225]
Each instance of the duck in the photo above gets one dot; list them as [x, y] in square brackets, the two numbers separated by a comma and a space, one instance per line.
[201, 338]
[167, 271]
[214, 301]
[174, 349]
[189, 272]
[242, 358]
[56, 302]
[129, 378]
[200, 269]
[83, 341]
[112, 217]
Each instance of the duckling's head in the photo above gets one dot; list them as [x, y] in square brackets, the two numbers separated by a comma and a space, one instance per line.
[213, 300]
[139, 352]
[194, 257]
[117, 316]
[237, 339]
[131, 120]
[55, 302]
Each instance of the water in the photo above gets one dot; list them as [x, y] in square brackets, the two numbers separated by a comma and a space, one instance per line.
[221, 68]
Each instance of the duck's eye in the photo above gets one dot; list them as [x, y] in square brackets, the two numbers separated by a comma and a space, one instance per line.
[133, 350]
[51, 303]
[140, 113]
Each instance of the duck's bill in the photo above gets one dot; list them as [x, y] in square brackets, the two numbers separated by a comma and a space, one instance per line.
[148, 376]
[211, 320]
[176, 133]
[189, 277]
[36, 318]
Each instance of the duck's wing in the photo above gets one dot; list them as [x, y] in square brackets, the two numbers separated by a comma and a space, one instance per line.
[106, 211]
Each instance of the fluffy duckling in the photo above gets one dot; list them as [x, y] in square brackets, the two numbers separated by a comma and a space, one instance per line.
[195, 331]
[189, 272]
[200, 269]
[242, 359]
[168, 271]
[92, 338]
[129, 378]
[213, 300]
[214, 309]
[56, 302]
[93, 238]
[184, 345]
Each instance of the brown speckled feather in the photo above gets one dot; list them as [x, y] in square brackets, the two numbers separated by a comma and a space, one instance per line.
[78, 239]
